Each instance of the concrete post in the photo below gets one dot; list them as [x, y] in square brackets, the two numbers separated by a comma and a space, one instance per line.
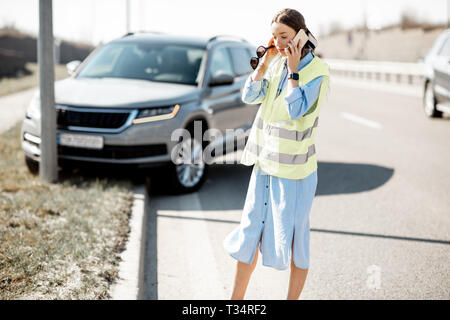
[128, 15]
[48, 170]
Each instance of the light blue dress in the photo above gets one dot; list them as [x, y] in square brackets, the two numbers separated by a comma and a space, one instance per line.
[276, 210]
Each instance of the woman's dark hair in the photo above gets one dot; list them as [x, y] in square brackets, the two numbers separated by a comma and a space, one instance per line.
[296, 21]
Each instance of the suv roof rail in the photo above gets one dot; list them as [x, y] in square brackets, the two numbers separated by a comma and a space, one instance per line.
[135, 32]
[226, 36]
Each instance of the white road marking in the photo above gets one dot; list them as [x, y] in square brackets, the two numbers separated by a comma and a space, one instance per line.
[361, 120]
[204, 278]
[200, 213]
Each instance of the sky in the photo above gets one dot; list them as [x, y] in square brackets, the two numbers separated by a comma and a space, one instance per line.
[96, 21]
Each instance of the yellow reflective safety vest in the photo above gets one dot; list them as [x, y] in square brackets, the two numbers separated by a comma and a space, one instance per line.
[281, 146]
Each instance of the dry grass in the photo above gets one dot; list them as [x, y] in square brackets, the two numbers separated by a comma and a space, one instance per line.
[11, 85]
[58, 241]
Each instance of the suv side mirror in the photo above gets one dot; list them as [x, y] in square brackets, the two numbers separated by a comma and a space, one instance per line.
[221, 78]
[72, 66]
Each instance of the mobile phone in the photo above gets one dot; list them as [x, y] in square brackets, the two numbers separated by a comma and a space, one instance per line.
[301, 35]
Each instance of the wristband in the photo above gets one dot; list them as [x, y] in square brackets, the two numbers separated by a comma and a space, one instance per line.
[294, 76]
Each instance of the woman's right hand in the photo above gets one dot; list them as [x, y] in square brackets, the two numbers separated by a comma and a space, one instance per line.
[264, 61]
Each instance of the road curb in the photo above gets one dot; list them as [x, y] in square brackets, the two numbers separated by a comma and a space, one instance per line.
[129, 285]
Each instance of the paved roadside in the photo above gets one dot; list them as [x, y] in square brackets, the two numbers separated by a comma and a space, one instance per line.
[379, 222]
[13, 108]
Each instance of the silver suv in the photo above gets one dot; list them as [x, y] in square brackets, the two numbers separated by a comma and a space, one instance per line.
[124, 103]
[436, 98]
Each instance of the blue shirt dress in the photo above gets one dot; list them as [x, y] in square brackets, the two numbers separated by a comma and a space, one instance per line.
[276, 210]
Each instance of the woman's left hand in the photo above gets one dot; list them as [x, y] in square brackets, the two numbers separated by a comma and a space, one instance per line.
[294, 54]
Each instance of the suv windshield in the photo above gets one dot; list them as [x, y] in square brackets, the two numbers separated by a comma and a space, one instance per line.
[156, 62]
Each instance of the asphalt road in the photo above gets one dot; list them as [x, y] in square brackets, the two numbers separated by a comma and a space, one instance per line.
[380, 222]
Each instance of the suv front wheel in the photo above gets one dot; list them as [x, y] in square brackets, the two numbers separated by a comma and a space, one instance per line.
[32, 165]
[429, 102]
[189, 174]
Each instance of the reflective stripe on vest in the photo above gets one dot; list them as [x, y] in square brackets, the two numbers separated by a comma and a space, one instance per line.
[286, 133]
[283, 158]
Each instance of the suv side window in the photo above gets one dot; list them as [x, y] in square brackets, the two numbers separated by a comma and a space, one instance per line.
[241, 60]
[445, 49]
[221, 62]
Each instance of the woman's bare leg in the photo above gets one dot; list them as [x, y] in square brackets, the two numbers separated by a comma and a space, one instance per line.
[297, 279]
[296, 282]
[242, 277]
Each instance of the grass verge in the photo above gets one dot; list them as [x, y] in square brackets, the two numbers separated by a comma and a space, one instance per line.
[15, 84]
[59, 241]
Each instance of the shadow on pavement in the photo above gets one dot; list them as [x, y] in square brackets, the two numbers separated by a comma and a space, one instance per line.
[150, 282]
[78, 173]
[342, 178]
[226, 186]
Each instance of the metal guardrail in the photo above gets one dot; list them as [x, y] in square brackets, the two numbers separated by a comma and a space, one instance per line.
[379, 70]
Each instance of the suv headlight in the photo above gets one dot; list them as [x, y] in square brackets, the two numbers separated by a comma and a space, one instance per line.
[156, 114]
[34, 108]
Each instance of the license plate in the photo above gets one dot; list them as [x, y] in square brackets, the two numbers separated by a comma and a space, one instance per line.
[81, 141]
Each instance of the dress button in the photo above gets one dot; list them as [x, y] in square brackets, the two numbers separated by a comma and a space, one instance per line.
[265, 203]
[263, 222]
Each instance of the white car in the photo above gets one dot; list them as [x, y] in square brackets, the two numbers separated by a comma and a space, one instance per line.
[436, 98]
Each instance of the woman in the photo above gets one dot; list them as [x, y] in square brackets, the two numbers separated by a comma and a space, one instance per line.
[290, 82]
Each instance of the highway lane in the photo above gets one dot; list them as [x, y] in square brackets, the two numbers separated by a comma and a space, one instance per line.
[380, 221]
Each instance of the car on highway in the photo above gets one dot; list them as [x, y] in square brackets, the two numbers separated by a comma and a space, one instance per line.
[123, 103]
[436, 98]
